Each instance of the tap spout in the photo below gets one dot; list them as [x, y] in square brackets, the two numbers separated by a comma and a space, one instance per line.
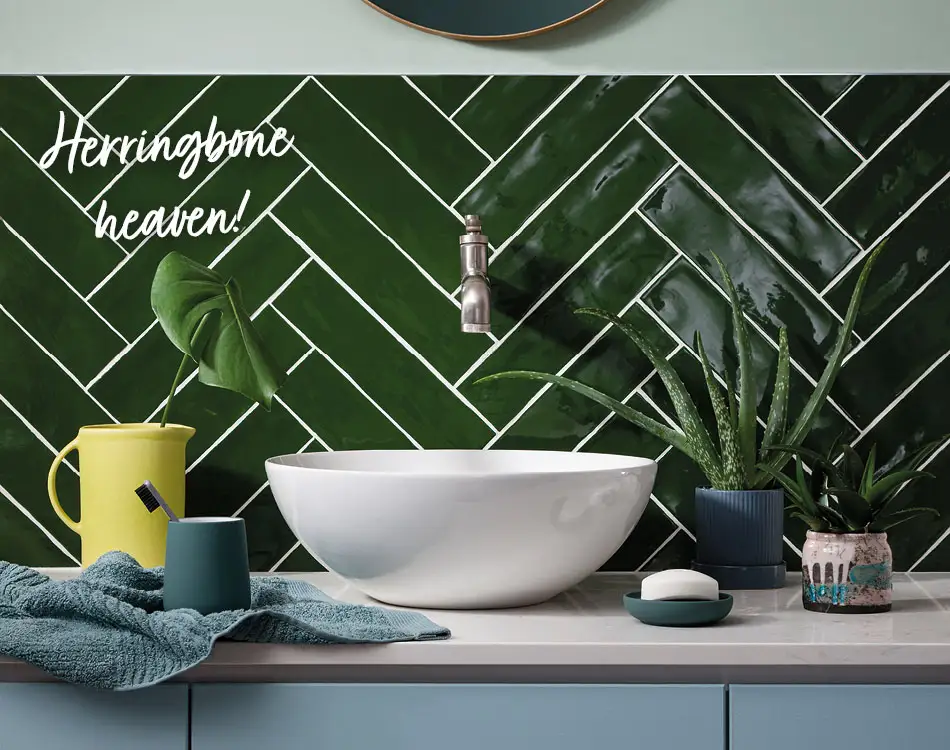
[476, 290]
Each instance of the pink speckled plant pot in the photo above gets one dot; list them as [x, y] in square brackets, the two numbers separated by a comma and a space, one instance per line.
[846, 573]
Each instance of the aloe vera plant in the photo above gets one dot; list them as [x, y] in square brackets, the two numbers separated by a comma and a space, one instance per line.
[203, 315]
[735, 461]
[848, 494]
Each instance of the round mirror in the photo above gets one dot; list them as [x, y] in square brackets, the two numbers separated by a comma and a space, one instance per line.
[485, 19]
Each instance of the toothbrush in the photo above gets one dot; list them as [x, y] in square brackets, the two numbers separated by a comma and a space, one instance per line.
[151, 499]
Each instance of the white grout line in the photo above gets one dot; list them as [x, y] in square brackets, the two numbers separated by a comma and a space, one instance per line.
[76, 113]
[34, 431]
[62, 278]
[266, 484]
[452, 122]
[520, 138]
[610, 415]
[822, 118]
[105, 98]
[887, 232]
[471, 96]
[125, 350]
[395, 157]
[946, 532]
[161, 132]
[63, 190]
[818, 206]
[181, 386]
[906, 303]
[346, 376]
[41, 527]
[566, 183]
[674, 519]
[379, 319]
[303, 424]
[657, 550]
[548, 292]
[428, 277]
[280, 562]
[903, 394]
[750, 321]
[903, 126]
[57, 363]
[842, 95]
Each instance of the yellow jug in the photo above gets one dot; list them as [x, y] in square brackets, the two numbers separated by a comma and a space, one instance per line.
[114, 459]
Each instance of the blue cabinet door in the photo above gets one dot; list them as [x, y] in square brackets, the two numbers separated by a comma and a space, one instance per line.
[53, 716]
[457, 717]
[869, 717]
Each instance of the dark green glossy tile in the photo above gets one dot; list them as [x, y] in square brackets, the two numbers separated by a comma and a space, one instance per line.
[914, 421]
[395, 379]
[821, 91]
[778, 121]
[224, 480]
[53, 403]
[572, 224]
[506, 107]
[369, 177]
[82, 91]
[31, 118]
[774, 298]
[620, 437]
[586, 118]
[679, 553]
[380, 275]
[653, 527]
[915, 251]
[52, 313]
[268, 536]
[897, 354]
[676, 483]
[124, 299]
[27, 201]
[547, 340]
[334, 408]
[23, 462]
[148, 103]
[448, 92]
[560, 418]
[300, 561]
[893, 181]
[239, 103]
[415, 131]
[748, 183]
[24, 544]
[879, 104]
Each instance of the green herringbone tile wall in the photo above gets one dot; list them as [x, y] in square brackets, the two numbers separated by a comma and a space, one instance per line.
[607, 191]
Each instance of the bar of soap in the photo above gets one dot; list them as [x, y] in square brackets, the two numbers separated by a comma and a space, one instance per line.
[679, 584]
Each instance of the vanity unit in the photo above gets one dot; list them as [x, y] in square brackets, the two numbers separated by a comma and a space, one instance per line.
[574, 672]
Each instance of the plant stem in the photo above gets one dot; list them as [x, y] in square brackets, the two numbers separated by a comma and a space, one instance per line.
[171, 394]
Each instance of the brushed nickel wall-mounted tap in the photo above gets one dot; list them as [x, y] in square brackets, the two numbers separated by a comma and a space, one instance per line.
[476, 291]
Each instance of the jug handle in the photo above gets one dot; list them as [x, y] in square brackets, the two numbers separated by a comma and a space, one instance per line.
[51, 486]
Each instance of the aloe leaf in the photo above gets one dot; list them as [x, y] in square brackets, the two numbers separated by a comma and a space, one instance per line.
[898, 517]
[747, 394]
[854, 508]
[867, 478]
[797, 432]
[775, 425]
[798, 494]
[816, 458]
[676, 439]
[813, 523]
[733, 473]
[835, 521]
[924, 452]
[704, 453]
[885, 489]
[230, 353]
[853, 467]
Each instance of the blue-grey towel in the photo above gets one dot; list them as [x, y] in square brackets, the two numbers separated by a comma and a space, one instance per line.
[107, 629]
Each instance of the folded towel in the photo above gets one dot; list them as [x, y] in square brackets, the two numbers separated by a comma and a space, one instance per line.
[107, 628]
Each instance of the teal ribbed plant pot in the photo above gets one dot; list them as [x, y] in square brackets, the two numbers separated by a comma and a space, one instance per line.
[739, 537]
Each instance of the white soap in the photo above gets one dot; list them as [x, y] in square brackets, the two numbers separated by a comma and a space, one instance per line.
[679, 584]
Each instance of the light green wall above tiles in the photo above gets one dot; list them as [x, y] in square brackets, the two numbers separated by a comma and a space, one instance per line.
[609, 191]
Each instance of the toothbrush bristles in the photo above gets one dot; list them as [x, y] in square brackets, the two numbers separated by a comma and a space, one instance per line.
[147, 498]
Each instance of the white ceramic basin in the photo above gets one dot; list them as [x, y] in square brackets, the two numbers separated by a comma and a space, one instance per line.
[461, 529]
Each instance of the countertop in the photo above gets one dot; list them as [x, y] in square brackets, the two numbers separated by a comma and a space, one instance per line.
[585, 635]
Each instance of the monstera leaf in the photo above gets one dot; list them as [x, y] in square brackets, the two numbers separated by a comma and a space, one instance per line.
[203, 315]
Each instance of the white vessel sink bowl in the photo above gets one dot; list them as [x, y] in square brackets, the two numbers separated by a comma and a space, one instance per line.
[459, 529]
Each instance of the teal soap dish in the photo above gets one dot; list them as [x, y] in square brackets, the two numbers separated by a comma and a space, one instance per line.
[678, 613]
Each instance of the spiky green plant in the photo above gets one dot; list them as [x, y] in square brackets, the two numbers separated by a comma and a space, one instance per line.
[848, 494]
[733, 464]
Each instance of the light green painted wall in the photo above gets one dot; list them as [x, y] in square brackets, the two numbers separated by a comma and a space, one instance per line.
[346, 36]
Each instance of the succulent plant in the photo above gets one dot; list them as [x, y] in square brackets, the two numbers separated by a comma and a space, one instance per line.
[737, 461]
[847, 494]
